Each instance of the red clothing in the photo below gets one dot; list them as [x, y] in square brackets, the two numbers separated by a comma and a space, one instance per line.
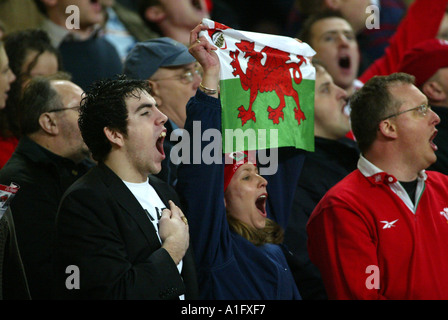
[7, 147]
[361, 222]
[421, 22]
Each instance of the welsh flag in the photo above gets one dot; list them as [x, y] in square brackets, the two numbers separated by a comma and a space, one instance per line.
[266, 89]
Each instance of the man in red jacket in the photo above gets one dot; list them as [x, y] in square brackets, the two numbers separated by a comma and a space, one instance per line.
[381, 232]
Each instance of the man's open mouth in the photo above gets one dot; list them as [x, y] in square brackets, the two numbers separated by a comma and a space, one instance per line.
[159, 143]
[431, 141]
[344, 62]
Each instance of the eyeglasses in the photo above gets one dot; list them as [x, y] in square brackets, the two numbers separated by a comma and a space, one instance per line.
[185, 78]
[76, 108]
[422, 110]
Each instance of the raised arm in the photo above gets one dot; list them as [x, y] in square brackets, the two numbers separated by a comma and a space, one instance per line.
[204, 53]
[200, 184]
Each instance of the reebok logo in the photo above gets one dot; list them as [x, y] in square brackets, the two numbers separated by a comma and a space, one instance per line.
[445, 213]
[388, 225]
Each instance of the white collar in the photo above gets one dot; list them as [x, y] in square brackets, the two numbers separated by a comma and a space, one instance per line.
[378, 176]
[368, 169]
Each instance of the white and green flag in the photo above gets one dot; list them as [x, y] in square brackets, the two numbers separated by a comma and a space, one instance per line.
[266, 89]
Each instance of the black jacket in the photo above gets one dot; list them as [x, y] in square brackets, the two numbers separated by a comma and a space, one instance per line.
[103, 230]
[331, 161]
[43, 178]
[13, 284]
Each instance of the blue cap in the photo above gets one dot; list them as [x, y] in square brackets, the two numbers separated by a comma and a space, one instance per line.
[148, 56]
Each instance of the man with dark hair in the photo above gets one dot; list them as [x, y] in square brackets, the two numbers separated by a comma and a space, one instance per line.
[336, 47]
[113, 224]
[174, 77]
[380, 233]
[49, 157]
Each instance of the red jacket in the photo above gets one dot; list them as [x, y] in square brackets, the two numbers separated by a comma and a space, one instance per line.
[361, 222]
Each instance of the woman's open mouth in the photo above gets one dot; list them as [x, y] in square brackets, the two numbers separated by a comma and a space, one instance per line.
[260, 203]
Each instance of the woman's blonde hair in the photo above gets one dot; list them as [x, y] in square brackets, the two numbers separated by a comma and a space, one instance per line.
[271, 233]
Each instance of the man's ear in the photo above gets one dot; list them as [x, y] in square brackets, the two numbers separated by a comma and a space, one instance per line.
[48, 123]
[155, 14]
[388, 128]
[114, 136]
[434, 91]
[155, 91]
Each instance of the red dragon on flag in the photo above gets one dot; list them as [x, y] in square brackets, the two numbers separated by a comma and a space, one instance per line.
[272, 75]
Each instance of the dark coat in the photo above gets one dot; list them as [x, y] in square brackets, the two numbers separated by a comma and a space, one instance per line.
[43, 178]
[330, 163]
[13, 284]
[104, 232]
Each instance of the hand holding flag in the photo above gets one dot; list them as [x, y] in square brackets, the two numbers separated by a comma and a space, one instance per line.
[205, 54]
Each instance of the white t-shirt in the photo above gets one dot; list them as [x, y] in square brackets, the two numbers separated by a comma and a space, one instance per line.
[152, 204]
